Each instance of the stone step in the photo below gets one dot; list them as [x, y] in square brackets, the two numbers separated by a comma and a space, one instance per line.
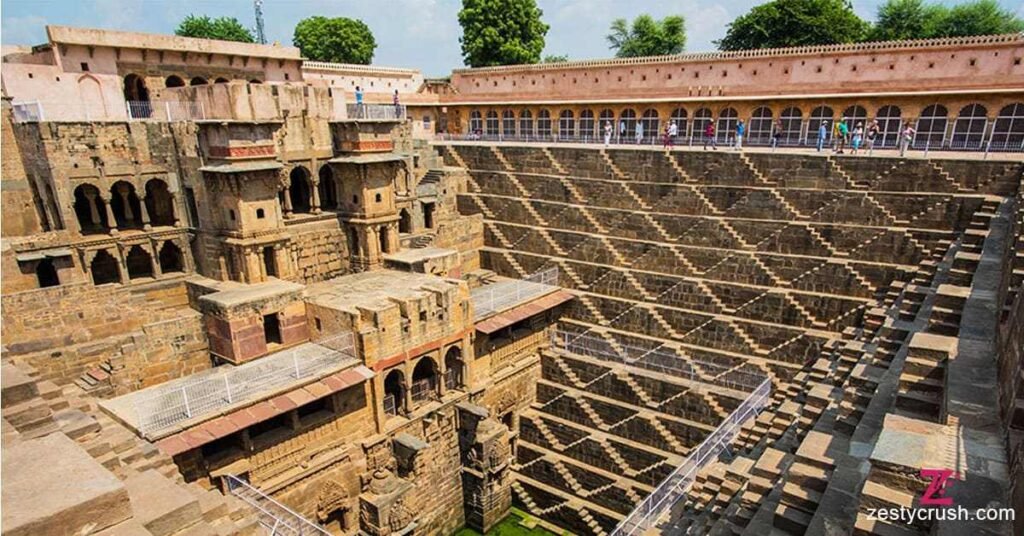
[160, 505]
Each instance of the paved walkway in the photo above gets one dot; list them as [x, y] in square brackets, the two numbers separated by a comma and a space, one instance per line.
[888, 153]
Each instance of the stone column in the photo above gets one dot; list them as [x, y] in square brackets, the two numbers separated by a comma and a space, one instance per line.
[287, 203]
[110, 215]
[155, 261]
[315, 194]
[144, 214]
[94, 212]
[128, 214]
[122, 266]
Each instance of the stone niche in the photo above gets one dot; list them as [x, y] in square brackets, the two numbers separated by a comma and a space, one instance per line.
[245, 322]
[364, 135]
[486, 474]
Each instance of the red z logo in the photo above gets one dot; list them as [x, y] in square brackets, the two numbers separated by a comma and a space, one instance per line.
[936, 488]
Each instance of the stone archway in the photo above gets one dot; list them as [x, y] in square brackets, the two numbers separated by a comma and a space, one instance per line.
[104, 268]
[171, 258]
[139, 263]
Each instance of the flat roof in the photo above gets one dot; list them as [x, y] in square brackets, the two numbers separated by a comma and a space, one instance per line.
[370, 158]
[524, 311]
[414, 255]
[489, 300]
[119, 39]
[374, 290]
[170, 407]
[243, 294]
[242, 167]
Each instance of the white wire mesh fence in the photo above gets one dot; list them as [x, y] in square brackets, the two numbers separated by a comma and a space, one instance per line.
[169, 404]
[375, 111]
[657, 359]
[495, 297]
[671, 490]
[276, 518]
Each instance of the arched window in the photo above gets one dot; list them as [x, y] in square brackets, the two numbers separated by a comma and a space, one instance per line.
[89, 210]
[931, 127]
[819, 114]
[526, 124]
[491, 125]
[476, 124]
[424, 380]
[701, 118]
[394, 393]
[139, 263]
[969, 129]
[1008, 131]
[327, 188]
[125, 205]
[453, 368]
[652, 124]
[508, 124]
[46, 273]
[255, 81]
[198, 81]
[607, 115]
[855, 114]
[174, 81]
[791, 118]
[679, 118]
[627, 123]
[137, 96]
[889, 125]
[104, 268]
[566, 125]
[760, 129]
[159, 203]
[544, 124]
[300, 191]
[587, 125]
[221, 80]
[171, 259]
[726, 128]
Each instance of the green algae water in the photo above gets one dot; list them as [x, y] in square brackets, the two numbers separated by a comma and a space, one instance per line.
[513, 525]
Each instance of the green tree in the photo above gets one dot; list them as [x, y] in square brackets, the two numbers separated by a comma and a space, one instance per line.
[787, 23]
[647, 36]
[339, 40]
[501, 32]
[555, 58]
[982, 17]
[907, 19]
[223, 28]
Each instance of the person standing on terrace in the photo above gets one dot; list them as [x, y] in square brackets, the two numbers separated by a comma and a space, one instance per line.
[673, 131]
[639, 130]
[822, 134]
[740, 129]
[398, 106]
[709, 135]
[607, 133]
[359, 101]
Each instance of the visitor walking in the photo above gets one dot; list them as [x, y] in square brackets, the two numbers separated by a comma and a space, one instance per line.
[872, 133]
[622, 130]
[709, 135]
[776, 133]
[359, 102]
[858, 135]
[607, 133]
[639, 131]
[822, 134]
[398, 106]
[906, 137]
[673, 131]
[842, 132]
[740, 129]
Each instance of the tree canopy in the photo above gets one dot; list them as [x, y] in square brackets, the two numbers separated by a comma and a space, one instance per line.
[647, 36]
[338, 39]
[788, 23]
[555, 58]
[501, 32]
[916, 19]
[223, 28]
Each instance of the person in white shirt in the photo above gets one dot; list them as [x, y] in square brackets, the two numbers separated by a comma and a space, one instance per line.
[607, 133]
[673, 131]
[640, 132]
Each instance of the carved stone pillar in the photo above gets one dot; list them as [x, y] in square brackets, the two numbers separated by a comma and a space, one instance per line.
[144, 214]
[315, 194]
[110, 215]
[94, 211]
[122, 190]
[287, 203]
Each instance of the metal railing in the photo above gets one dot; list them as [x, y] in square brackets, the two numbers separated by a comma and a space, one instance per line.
[27, 112]
[657, 359]
[495, 297]
[425, 389]
[162, 407]
[375, 111]
[165, 110]
[276, 518]
[646, 514]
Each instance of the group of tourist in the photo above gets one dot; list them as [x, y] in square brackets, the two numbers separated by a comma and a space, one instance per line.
[843, 136]
[394, 99]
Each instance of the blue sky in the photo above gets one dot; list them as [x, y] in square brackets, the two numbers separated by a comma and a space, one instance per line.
[410, 33]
